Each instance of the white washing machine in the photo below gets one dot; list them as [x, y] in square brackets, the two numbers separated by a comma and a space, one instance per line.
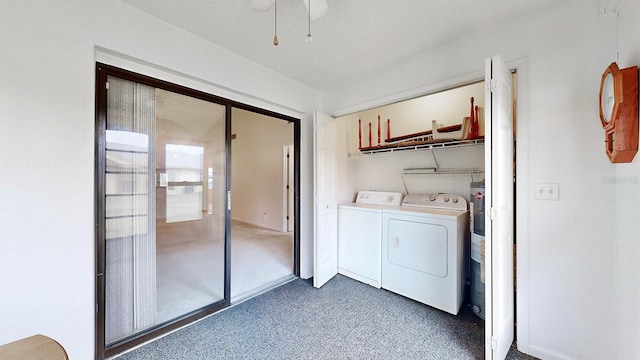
[423, 247]
[360, 235]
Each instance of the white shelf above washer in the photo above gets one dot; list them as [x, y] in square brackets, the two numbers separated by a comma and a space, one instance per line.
[428, 146]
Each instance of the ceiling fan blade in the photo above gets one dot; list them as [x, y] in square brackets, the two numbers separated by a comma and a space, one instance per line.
[261, 5]
[318, 8]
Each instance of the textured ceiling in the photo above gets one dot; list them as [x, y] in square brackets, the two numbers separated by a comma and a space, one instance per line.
[354, 39]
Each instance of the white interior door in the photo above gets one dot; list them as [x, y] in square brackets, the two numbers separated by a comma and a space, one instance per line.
[325, 225]
[499, 202]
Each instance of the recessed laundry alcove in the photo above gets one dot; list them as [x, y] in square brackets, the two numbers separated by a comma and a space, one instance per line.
[383, 171]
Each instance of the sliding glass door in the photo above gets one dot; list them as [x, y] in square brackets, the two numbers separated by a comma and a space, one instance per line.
[191, 214]
[130, 232]
[162, 214]
[163, 203]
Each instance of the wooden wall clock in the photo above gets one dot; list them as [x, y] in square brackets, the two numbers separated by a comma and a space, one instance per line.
[619, 112]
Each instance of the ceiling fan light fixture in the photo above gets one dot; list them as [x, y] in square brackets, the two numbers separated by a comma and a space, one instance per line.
[320, 7]
[275, 26]
[309, 37]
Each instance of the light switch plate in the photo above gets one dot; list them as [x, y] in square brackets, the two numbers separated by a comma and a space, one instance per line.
[546, 191]
[553, 190]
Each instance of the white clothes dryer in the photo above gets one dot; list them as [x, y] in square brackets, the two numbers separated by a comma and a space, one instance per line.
[360, 235]
[423, 247]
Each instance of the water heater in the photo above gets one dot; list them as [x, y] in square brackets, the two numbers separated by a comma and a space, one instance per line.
[477, 209]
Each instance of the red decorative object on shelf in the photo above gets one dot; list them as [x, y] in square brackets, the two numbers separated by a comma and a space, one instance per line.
[378, 129]
[359, 133]
[473, 127]
[388, 129]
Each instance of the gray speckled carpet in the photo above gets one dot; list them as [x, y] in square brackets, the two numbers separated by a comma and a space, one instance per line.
[345, 319]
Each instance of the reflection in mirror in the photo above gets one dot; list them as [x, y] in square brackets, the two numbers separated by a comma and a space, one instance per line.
[184, 175]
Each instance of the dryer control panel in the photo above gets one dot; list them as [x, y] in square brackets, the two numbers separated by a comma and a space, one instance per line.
[436, 201]
[379, 198]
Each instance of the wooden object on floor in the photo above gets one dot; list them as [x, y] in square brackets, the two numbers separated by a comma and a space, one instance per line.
[36, 347]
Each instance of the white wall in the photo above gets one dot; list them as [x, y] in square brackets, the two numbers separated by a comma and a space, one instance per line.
[257, 168]
[626, 182]
[567, 248]
[47, 216]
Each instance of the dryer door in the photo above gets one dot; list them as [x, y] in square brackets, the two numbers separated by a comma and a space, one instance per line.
[418, 246]
[420, 260]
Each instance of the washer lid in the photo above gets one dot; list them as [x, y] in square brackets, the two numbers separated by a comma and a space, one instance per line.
[436, 201]
[379, 198]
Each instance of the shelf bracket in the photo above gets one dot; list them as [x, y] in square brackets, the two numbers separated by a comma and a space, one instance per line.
[435, 160]
[439, 172]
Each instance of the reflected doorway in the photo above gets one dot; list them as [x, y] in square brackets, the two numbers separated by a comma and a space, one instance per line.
[262, 242]
[190, 212]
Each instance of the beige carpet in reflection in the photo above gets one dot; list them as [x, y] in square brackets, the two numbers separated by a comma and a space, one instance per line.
[190, 262]
[259, 257]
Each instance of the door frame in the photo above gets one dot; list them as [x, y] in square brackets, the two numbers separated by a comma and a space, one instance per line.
[104, 70]
[287, 187]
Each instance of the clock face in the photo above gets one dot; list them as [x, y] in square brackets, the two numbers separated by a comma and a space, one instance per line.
[618, 105]
[607, 99]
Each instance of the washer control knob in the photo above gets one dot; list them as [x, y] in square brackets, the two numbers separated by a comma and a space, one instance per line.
[446, 199]
[455, 200]
[432, 198]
